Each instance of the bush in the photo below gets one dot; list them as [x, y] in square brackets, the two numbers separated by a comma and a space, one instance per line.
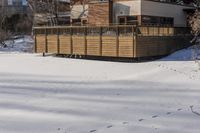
[4, 36]
[23, 26]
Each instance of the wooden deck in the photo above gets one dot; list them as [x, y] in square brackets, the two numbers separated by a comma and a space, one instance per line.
[111, 41]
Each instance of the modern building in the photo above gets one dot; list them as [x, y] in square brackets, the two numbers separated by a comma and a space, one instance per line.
[15, 15]
[141, 12]
[11, 7]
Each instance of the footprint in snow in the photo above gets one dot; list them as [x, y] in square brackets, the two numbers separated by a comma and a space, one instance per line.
[109, 126]
[125, 122]
[168, 113]
[140, 120]
[179, 109]
[92, 131]
[155, 116]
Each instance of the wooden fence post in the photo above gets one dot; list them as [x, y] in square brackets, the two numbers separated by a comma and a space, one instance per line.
[168, 30]
[85, 38]
[135, 33]
[71, 40]
[46, 42]
[100, 42]
[117, 41]
[35, 39]
[58, 40]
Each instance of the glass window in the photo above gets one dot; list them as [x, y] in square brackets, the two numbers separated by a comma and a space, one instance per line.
[153, 20]
[10, 2]
[127, 19]
[24, 2]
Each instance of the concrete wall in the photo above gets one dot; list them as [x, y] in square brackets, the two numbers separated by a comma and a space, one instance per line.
[165, 10]
[124, 8]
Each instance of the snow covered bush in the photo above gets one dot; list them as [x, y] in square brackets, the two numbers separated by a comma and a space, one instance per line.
[194, 21]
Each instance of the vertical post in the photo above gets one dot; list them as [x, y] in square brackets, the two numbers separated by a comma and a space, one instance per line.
[157, 31]
[46, 41]
[135, 33]
[117, 40]
[71, 40]
[85, 39]
[100, 42]
[58, 40]
[148, 31]
[35, 39]
[133, 39]
[167, 30]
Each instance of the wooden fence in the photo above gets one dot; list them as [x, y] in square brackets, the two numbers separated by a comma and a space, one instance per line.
[111, 41]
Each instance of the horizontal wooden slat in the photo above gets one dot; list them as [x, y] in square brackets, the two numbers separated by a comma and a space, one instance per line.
[126, 47]
[109, 46]
[78, 45]
[40, 42]
[93, 45]
[52, 43]
[65, 44]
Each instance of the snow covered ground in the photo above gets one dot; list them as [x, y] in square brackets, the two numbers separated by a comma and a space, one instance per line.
[58, 95]
[21, 44]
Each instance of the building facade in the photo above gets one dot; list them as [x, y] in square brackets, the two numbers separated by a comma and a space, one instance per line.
[11, 7]
[15, 15]
[141, 12]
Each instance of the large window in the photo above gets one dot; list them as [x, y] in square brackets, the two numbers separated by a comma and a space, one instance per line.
[10, 2]
[17, 2]
[24, 2]
[153, 20]
[177, 2]
[129, 20]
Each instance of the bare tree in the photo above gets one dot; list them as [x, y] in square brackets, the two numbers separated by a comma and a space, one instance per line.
[2, 32]
[194, 21]
[46, 11]
[42, 11]
[4, 35]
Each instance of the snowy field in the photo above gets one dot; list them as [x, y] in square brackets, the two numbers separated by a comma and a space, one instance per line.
[58, 95]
